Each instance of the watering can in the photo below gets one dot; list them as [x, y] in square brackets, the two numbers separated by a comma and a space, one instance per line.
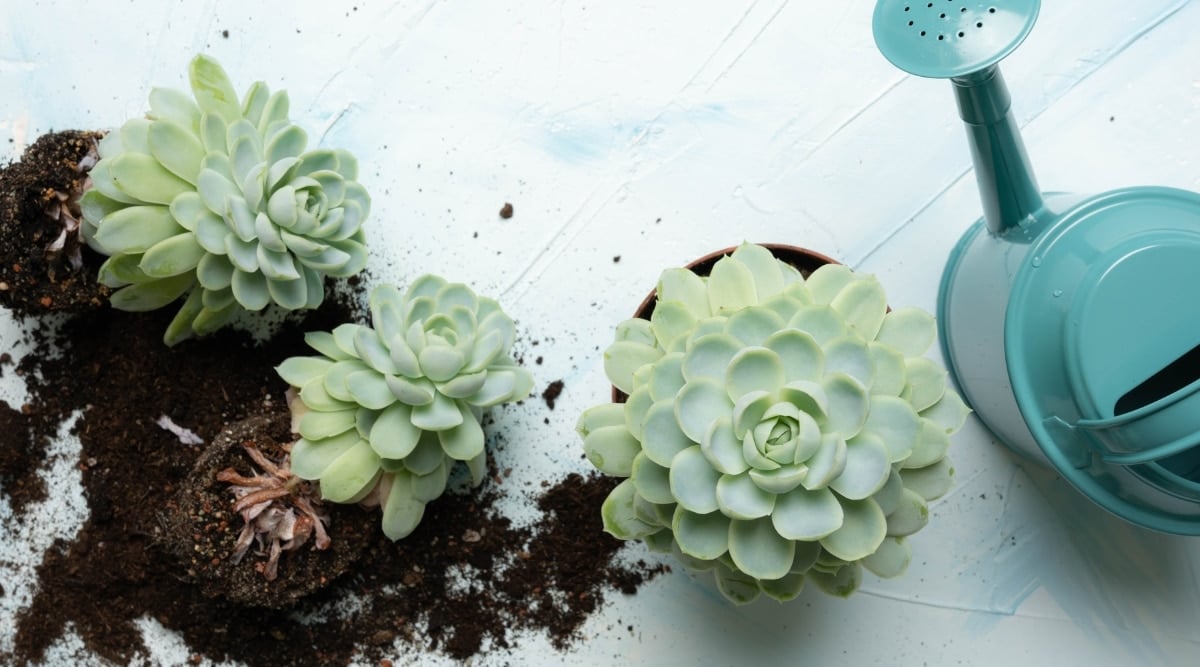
[1062, 317]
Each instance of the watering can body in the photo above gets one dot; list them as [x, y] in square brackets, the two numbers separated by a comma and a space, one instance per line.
[1066, 320]
[1070, 337]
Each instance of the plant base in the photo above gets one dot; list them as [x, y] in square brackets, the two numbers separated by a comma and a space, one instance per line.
[44, 267]
[203, 530]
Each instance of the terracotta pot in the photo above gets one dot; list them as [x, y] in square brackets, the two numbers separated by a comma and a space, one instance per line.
[803, 259]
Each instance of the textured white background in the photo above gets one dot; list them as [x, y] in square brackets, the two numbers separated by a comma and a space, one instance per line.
[658, 132]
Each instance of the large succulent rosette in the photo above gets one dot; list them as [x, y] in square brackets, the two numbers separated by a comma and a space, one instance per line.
[385, 413]
[777, 429]
[219, 201]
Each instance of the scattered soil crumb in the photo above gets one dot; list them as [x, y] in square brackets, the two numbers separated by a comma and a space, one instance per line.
[553, 391]
[506, 211]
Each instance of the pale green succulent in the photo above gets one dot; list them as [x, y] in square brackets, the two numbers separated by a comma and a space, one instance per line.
[777, 429]
[384, 413]
[219, 201]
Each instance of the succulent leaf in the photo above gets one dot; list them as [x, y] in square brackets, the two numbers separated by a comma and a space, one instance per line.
[926, 382]
[863, 529]
[651, 480]
[402, 512]
[911, 515]
[661, 436]
[759, 551]
[784, 589]
[136, 229]
[393, 435]
[768, 273]
[891, 559]
[151, 295]
[620, 519]
[738, 497]
[702, 536]
[737, 586]
[698, 405]
[931, 482]
[805, 515]
[723, 449]
[320, 454]
[612, 450]
[841, 582]
[694, 484]
[910, 330]
[931, 446]
[351, 476]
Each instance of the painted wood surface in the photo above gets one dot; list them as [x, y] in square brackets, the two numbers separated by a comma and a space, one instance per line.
[654, 133]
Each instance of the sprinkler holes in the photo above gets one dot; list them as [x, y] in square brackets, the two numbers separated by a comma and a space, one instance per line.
[945, 16]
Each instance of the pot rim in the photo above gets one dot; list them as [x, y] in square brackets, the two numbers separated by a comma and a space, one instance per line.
[791, 254]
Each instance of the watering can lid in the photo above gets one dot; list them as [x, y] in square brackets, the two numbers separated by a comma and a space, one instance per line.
[941, 39]
[1103, 304]
[1129, 321]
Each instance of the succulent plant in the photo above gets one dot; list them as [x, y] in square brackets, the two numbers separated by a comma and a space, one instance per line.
[777, 429]
[219, 201]
[384, 413]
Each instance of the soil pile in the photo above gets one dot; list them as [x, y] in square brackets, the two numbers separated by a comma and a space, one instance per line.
[464, 582]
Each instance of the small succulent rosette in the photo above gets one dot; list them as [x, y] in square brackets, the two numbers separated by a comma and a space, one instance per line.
[777, 429]
[384, 413]
[220, 202]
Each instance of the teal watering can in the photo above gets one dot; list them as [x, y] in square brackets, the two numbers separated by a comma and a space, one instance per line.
[1067, 320]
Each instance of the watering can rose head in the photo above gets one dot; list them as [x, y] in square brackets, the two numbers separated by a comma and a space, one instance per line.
[219, 201]
[384, 412]
[777, 429]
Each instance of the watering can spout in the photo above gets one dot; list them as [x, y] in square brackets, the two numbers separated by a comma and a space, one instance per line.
[965, 42]
[1007, 186]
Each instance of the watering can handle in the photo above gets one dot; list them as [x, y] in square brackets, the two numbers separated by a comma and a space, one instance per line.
[1093, 426]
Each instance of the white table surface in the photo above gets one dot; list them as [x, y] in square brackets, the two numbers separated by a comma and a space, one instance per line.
[658, 132]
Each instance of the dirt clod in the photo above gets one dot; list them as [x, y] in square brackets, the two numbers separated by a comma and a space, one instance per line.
[46, 267]
[552, 392]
